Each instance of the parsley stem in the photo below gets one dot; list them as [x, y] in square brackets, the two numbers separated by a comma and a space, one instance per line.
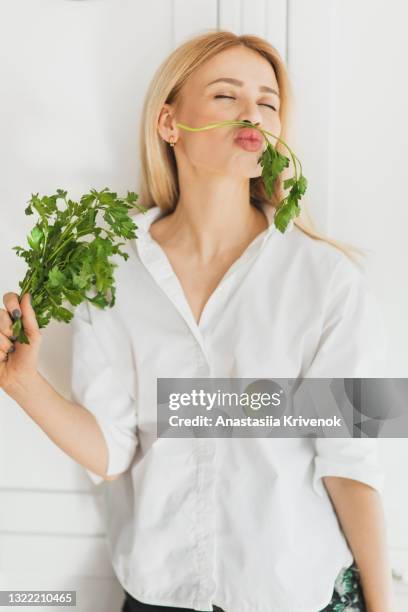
[50, 298]
[27, 280]
[26, 284]
[69, 228]
[245, 124]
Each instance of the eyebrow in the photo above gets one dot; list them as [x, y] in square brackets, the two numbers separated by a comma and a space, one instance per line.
[240, 83]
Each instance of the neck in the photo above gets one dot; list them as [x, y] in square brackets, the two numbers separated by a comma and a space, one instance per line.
[209, 220]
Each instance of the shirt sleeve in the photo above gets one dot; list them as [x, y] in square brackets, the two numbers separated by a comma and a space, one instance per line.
[355, 458]
[353, 341]
[353, 344]
[95, 386]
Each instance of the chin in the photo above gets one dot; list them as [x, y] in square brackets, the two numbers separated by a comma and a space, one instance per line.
[247, 169]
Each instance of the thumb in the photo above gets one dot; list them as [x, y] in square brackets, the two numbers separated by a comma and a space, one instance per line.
[28, 317]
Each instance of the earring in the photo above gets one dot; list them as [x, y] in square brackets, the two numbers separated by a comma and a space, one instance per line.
[172, 142]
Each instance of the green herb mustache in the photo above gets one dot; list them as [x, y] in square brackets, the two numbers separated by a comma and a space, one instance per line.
[273, 163]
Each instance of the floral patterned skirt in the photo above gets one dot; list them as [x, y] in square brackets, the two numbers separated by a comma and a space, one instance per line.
[347, 597]
[348, 593]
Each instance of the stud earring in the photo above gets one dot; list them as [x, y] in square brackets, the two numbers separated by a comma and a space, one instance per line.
[172, 141]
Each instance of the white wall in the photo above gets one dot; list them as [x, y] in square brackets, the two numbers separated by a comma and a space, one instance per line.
[368, 132]
[73, 74]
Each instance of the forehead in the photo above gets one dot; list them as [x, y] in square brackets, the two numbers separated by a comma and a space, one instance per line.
[239, 63]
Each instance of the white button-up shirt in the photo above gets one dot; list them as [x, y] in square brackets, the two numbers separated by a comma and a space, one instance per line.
[245, 524]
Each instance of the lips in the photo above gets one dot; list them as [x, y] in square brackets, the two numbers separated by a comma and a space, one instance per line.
[248, 134]
[249, 139]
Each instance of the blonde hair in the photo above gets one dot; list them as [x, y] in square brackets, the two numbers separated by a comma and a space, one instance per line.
[158, 183]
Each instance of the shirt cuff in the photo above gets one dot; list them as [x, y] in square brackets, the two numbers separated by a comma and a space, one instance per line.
[121, 449]
[355, 458]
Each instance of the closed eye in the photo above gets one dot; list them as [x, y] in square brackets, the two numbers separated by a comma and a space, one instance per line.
[232, 98]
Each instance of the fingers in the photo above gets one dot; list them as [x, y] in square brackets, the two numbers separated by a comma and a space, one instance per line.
[10, 301]
[6, 324]
[23, 310]
[6, 337]
[6, 346]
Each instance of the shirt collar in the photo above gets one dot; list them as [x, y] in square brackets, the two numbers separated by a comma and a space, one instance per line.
[269, 212]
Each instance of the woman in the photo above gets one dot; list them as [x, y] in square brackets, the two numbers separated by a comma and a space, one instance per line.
[212, 289]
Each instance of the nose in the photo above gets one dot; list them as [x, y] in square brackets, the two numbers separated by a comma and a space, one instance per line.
[252, 122]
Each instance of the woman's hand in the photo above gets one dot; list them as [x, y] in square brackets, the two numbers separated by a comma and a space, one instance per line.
[18, 362]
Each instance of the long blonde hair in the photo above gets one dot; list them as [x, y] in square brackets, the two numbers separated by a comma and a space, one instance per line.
[158, 183]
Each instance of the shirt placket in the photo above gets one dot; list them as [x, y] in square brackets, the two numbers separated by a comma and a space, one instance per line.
[205, 528]
[157, 264]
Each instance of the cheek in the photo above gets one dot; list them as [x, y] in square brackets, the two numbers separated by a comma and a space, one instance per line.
[208, 148]
[213, 143]
[212, 112]
[275, 124]
[223, 158]
[198, 111]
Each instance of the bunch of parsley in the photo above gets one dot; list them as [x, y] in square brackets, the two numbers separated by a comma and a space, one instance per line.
[69, 252]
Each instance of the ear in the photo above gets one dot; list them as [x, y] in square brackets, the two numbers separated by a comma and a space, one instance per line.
[166, 124]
